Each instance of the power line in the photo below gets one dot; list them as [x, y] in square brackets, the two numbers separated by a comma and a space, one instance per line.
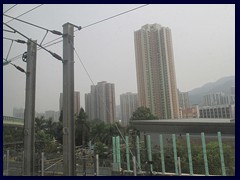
[16, 40]
[25, 12]
[18, 56]
[10, 8]
[53, 54]
[115, 16]
[52, 31]
[17, 67]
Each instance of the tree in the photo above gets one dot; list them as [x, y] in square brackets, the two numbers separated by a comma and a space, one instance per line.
[143, 113]
[82, 128]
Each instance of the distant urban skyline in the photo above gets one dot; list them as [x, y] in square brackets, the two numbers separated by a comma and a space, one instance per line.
[200, 41]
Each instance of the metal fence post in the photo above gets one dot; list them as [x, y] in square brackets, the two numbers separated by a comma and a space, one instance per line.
[149, 149]
[118, 152]
[114, 149]
[162, 153]
[127, 153]
[189, 154]
[179, 166]
[205, 154]
[134, 166]
[175, 153]
[138, 154]
[97, 165]
[221, 154]
[42, 163]
[7, 164]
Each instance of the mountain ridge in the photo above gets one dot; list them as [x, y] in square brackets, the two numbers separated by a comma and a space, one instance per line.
[221, 85]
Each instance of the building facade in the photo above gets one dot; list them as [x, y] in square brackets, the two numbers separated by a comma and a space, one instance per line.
[129, 104]
[156, 79]
[191, 112]
[76, 102]
[222, 111]
[100, 102]
[220, 98]
[183, 100]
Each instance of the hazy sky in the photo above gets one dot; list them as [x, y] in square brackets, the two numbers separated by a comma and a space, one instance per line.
[203, 44]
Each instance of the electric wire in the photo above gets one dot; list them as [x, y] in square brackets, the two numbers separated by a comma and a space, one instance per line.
[115, 16]
[10, 8]
[53, 54]
[17, 67]
[18, 56]
[25, 12]
[16, 40]
[52, 31]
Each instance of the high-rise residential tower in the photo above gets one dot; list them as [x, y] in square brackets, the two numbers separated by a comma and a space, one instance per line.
[100, 102]
[128, 103]
[76, 102]
[183, 100]
[156, 79]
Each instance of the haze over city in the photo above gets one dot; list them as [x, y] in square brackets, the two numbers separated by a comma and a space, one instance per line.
[203, 38]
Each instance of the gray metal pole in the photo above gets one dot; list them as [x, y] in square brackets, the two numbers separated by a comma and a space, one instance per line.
[97, 165]
[7, 164]
[134, 166]
[68, 102]
[179, 166]
[29, 114]
[42, 163]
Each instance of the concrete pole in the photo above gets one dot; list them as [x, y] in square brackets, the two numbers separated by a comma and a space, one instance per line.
[29, 115]
[68, 102]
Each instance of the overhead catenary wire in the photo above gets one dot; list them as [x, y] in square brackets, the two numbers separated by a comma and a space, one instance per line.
[16, 40]
[10, 8]
[84, 27]
[52, 31]
[25, 12]
[53, 54]
[115, 16]
[17, 67]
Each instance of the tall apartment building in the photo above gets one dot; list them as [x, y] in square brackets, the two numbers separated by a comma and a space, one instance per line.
[156, 79]
[128, 103]
[183, 100]
[100, 102]
[76, 102]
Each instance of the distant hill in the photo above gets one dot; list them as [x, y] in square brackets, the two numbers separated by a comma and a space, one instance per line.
[221, 85]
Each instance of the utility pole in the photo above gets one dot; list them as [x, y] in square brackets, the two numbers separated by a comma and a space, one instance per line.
[29, 114]
[68, 102]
